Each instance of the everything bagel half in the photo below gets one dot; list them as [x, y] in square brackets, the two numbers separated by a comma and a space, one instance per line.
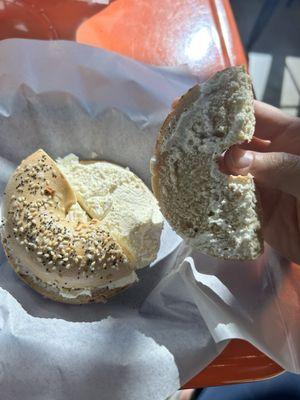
[55, 246]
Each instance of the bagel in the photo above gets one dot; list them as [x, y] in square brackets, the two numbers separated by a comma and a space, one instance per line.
[217, 214]
[53, 243]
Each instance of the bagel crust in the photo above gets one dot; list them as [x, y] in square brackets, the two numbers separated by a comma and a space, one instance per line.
[67, 260]
[215, 213]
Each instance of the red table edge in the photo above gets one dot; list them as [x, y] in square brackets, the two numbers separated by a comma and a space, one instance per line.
[231, 58]
[228, 365]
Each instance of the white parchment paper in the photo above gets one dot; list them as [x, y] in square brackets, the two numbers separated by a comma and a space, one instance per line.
[151, 339]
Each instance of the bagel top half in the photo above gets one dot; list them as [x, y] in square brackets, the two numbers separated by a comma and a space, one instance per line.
[216, 213]
[52, 242]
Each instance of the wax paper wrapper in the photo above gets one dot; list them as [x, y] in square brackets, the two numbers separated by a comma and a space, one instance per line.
[151, 339]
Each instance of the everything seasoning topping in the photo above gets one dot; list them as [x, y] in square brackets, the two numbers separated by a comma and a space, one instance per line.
[38, 214]
[49, 191]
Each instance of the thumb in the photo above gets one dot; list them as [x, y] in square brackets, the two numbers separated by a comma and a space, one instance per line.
[277, 170]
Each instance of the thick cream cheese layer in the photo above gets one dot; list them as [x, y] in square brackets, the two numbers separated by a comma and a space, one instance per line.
[121, 201]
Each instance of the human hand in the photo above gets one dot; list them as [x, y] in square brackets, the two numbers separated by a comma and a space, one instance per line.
[273, 158]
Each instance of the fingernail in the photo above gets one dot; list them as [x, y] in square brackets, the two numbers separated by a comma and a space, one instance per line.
[244, 161]
[237, 159]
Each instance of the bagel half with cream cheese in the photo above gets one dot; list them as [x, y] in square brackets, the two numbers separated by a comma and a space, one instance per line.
[58, 247]
[216, 213]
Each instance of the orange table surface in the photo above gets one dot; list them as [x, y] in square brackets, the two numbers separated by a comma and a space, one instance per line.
[199, 33]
